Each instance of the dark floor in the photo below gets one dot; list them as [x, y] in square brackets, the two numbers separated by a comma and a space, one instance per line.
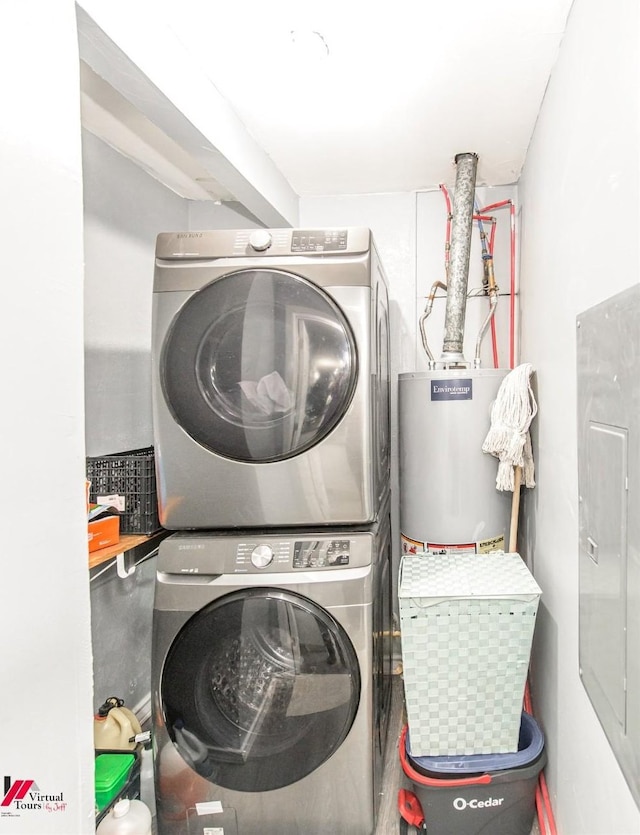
[388, 817]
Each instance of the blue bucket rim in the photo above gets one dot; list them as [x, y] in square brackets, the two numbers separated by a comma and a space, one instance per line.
[530, 746]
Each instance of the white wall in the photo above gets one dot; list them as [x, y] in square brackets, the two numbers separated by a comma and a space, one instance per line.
[391, 217]
[142, 58]
[44, 594]
[124, 210]
[580, 196]
[204, 214]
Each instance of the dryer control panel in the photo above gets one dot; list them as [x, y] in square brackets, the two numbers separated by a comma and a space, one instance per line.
[208, 554]
[256, 243]
[318, 240]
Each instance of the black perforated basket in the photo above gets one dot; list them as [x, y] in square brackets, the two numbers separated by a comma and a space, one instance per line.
[132, 475]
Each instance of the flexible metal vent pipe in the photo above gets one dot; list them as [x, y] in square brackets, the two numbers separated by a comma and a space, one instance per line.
[458, 280]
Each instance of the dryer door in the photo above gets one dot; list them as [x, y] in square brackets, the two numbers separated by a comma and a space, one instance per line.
[259, 689]
[259, 365]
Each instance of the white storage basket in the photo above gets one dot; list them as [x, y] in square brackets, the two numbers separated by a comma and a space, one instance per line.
[467, 624]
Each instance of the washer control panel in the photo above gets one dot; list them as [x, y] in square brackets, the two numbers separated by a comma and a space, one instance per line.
[253, 554]
[262, 556]
[201, 555]
[283, 555]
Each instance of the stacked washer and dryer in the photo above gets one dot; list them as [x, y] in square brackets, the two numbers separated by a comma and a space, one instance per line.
[271, 671]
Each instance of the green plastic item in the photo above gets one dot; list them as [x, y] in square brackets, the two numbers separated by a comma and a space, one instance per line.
[112, 771]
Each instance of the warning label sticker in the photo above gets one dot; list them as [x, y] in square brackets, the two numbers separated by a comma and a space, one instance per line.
[487, 545]
[484, 546]
[411, 546]
[449, 548]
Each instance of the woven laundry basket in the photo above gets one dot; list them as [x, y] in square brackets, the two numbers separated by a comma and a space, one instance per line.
[467, 624]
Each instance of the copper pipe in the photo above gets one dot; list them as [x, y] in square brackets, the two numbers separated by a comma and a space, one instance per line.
[425, 316]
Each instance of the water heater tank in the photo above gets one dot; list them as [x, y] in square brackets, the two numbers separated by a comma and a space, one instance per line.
[448, 496]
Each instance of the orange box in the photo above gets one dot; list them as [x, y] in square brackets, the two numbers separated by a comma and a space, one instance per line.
[103, 532]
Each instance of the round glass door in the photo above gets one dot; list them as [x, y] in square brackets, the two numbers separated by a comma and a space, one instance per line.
[259, 689]
[259, 365]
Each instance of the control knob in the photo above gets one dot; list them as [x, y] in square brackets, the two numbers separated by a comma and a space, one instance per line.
[260, 240]
[261, 556]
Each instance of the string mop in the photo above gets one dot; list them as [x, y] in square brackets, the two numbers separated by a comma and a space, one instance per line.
[508, 438]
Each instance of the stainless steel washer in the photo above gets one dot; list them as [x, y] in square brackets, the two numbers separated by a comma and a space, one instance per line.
[271, 681]
[270, 378]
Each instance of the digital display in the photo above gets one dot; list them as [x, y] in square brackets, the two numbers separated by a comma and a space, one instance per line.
[319, 553]
[318, 240]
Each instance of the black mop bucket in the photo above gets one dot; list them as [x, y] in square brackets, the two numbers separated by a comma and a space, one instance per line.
[479, 794]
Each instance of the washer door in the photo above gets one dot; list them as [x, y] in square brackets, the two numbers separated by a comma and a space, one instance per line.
[259, 365]
[259, 689]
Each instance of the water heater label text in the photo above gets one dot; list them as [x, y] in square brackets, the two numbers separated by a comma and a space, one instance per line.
[452, 389]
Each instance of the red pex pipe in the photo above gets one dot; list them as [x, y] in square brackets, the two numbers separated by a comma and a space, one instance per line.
[512, 312]
[487, 256]
[540, 811]
[543, 801]
[447, 241]
[494, 335]
[483, 215]
[493, 206]
[512, 290]
[547, 804]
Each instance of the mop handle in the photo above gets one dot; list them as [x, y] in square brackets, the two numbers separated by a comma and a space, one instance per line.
[515, 509]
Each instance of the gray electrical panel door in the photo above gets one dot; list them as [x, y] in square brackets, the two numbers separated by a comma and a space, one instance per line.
[608, 357]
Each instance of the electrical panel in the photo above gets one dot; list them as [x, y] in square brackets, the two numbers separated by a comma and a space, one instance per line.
[608, 386]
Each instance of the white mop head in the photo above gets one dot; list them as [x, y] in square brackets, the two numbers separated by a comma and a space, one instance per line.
[508, 439]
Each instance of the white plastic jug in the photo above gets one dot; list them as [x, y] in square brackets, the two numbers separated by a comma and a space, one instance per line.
[147, 782]
[115, 726]
[126, 817]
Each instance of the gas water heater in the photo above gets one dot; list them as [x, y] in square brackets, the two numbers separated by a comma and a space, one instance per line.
[448, 496]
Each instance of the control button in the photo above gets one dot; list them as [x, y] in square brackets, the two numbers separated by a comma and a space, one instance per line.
[260, 240]
[261, 556]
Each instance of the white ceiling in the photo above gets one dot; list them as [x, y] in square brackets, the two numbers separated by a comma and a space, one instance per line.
[351, 97]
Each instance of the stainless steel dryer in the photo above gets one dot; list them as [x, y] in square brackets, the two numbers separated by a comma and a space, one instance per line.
[270, 378]
[271, 682]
